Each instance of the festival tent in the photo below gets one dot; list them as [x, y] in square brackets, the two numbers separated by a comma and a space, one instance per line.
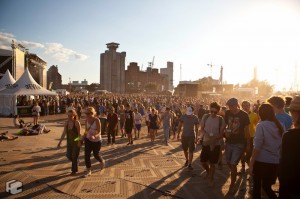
[26, 85]
[6, 80]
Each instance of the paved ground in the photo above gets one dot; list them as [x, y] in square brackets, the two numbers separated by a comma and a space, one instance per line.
[139, 171]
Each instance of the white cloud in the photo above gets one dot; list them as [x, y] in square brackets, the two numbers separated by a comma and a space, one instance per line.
[30, 45]
[63, 54]
[6, 39]
[81, 57]
[56, 50]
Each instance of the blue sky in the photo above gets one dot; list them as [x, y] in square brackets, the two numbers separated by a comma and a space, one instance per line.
[239, 35]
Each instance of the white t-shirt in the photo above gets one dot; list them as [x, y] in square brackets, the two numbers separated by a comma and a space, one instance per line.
[137, 118]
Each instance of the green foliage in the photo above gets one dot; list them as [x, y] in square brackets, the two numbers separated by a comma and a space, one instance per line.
[264, 87]
[92, 87]
[205, 84]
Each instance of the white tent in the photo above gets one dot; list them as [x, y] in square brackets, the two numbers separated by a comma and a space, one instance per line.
[6, 81]
[26, 85]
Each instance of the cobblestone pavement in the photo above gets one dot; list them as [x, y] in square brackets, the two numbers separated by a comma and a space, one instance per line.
[142, 170]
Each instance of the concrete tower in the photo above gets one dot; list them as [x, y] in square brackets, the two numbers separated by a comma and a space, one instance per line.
[112, 69]
[168, 71]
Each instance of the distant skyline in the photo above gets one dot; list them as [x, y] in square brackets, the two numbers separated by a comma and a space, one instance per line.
[239, 35]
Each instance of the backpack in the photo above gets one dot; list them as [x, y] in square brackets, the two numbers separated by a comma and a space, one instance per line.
[206, 117]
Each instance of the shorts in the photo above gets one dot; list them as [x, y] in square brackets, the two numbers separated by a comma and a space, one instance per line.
[128, 129]
[138, 127]
[153, 126]
[188, 143]
[233, 153]
[122, 123]
[210, 156]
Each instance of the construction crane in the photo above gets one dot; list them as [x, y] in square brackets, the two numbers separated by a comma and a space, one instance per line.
[151, 64]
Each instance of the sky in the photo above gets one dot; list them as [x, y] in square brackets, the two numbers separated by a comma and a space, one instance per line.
[238, 35]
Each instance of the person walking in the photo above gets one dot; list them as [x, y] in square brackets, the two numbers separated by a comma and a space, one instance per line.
[121, 113]
[266, 152]
[137, 123]
[167, 120]
[92, 140]
[278, 106]
[153, 124]
[189, 136]
[253, 117]
[129, 123]
[237, 137]
[289, 172]
[212, 128]
[112, 123]
[72, 129]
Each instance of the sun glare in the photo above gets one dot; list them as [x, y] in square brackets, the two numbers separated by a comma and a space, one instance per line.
[265, 35]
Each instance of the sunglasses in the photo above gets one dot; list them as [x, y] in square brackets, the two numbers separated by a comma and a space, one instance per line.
[215, 112]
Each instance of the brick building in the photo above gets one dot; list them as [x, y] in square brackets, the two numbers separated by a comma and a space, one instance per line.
[55, 77]
[136, 80]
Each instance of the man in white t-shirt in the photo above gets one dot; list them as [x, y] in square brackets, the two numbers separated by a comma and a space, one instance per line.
[137, 123]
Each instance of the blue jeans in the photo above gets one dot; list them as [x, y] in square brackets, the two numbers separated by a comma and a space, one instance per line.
[166, 133]
[233, 153]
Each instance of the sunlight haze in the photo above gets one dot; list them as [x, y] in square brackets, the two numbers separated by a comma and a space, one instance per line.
[239, 35]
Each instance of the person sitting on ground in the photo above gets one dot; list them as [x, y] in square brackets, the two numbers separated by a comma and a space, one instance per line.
[4, 136]
[18, 122]
[34, 130]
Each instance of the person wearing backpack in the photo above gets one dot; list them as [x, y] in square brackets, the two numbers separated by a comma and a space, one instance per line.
[212, 128]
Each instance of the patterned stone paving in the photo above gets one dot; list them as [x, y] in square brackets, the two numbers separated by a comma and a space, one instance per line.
[139, 171]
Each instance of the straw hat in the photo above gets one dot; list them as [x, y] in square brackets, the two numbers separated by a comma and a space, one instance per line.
[295, 104]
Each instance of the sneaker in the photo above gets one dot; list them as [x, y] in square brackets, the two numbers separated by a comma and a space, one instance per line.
[190, 167]
[88, 173]
[73, 173]
[186, 163]
[128, 143]
[131, 142]
[102, 164]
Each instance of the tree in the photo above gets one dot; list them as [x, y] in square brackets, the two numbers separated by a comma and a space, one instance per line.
[264, 88]
[93, 87]
[205, 84]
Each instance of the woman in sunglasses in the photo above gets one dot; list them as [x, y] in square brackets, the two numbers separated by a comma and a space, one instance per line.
[92, 140]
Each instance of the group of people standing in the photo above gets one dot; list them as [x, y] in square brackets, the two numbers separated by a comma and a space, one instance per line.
[267, 142]
[267, 139]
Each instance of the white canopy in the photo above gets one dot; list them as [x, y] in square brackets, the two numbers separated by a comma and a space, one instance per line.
[26, 85]
[6, 81]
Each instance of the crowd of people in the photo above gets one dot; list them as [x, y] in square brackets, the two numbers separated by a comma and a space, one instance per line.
[262, 135]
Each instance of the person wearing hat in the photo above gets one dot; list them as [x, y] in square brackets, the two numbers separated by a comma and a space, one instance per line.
[189, 136]
[237, 137]
[289, 172]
